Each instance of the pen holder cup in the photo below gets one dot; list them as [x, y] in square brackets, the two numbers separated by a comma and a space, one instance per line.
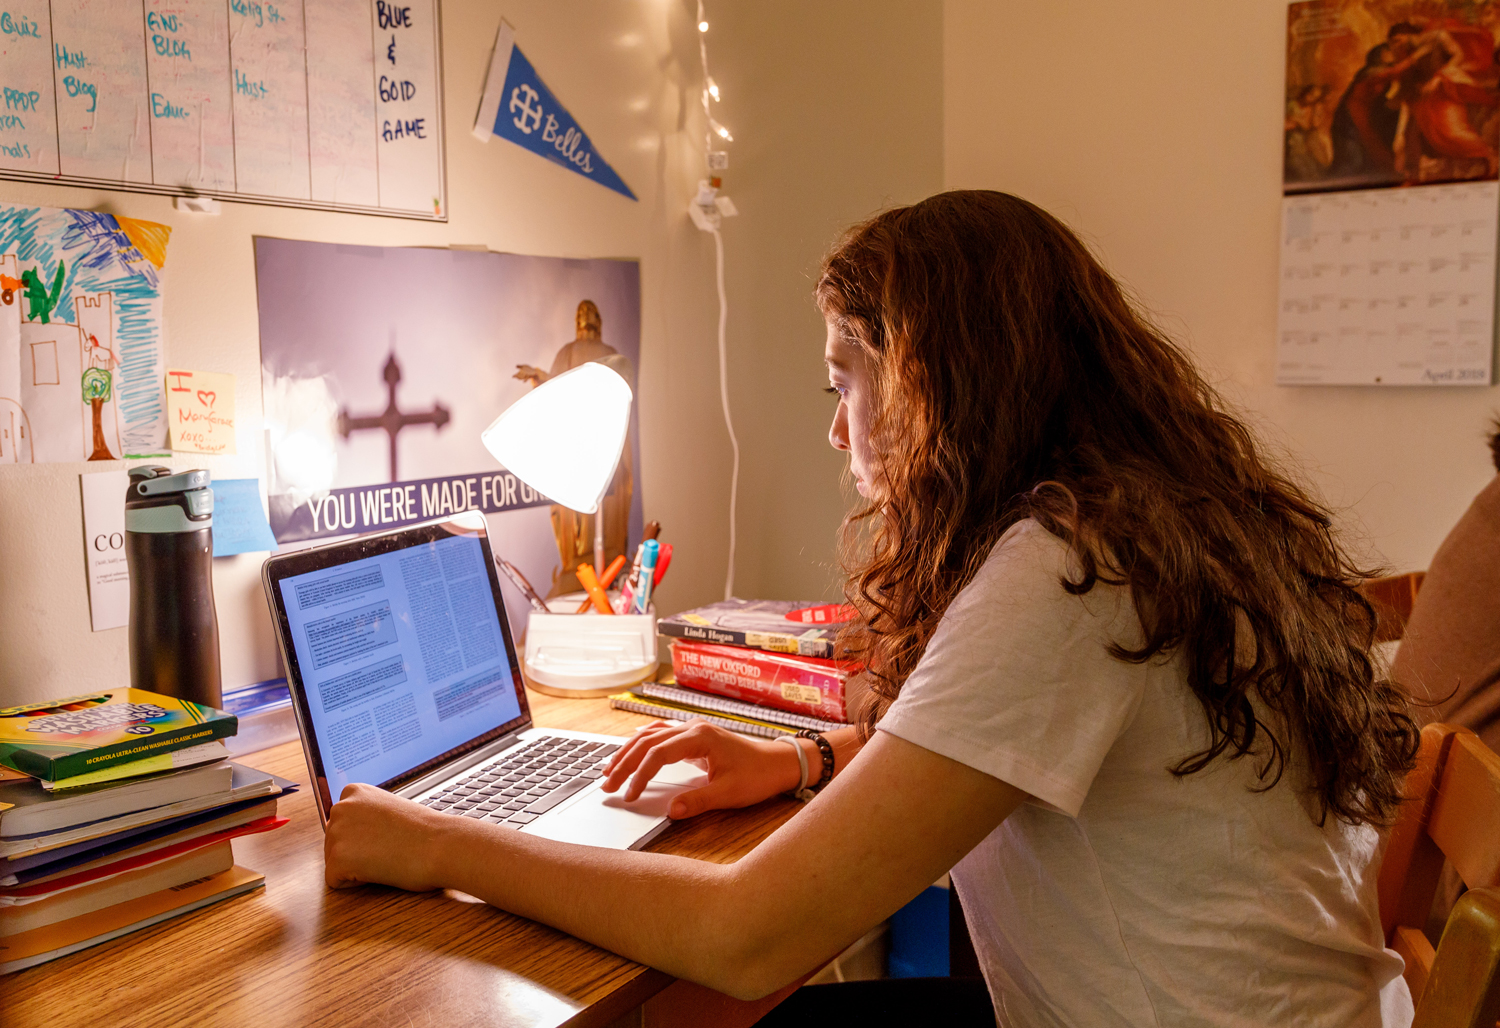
[584, 655]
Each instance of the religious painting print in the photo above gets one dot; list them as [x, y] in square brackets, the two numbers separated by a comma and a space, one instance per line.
[381, 366]
[1389, 93]
[81, 348]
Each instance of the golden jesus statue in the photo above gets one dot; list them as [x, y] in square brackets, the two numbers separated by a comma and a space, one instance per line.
[575, 531]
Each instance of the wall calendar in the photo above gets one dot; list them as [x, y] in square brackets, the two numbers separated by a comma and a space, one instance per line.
[1389, 286]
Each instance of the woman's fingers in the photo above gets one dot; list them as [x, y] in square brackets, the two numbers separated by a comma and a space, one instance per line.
[661, 743]
[669, 748]
[623, 750]
[628, 757]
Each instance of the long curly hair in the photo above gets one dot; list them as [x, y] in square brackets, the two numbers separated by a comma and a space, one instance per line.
[1013, 379]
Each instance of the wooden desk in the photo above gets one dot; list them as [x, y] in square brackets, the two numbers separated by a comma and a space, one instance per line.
[298, 954]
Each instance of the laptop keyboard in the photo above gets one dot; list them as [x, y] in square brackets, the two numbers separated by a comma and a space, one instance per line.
[524, 784]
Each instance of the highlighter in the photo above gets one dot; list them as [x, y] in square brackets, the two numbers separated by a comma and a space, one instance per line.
[609, 576]
[650, 548]
[585, 573]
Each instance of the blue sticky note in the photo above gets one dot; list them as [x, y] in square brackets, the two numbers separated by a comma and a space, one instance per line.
[239, 522]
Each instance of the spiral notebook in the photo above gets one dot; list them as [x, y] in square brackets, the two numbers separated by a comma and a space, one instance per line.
[638, 704]
[675, 702]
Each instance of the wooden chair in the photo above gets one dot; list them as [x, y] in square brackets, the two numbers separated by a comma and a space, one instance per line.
[1392, 597]
[1452, 814]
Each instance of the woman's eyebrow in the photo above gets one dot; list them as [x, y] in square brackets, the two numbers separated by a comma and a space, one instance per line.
[836, 364]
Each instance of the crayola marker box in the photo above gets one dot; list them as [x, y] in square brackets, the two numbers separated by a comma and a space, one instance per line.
[62, 738]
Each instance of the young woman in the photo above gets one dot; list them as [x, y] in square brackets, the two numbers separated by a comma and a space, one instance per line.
[1118, 682]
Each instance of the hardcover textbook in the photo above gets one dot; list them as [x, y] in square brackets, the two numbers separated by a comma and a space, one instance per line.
[63, 738]
[802, 685]
[774, 625]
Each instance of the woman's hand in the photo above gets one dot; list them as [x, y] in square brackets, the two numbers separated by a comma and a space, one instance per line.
[741, 770]
[375, 836]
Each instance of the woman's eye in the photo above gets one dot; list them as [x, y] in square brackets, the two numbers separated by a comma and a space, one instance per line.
[834, 391]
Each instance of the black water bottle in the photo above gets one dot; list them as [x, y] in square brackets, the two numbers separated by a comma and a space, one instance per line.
[174, 630]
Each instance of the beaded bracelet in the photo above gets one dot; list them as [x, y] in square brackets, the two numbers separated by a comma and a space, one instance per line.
[826, 749]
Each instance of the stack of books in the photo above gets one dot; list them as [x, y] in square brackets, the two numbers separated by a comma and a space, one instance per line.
[761, 667]
[116, 812]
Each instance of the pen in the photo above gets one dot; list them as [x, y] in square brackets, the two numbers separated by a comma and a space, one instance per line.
[662, 563]
[585, 573]
[649, 550]
[514, 574]
[653, 529]
[609, 576]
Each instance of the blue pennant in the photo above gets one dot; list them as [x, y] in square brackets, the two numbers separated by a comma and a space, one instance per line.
[529, 115]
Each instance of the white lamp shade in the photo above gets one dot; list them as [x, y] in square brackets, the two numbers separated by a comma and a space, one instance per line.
[564, 438]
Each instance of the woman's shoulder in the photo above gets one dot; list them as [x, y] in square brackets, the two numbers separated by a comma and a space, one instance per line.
[1026, 554]
[1028, 539]
[1029, 569]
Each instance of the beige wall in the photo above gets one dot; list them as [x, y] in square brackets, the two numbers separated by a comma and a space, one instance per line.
[826, 136]
[1154, 129]
[842, 117]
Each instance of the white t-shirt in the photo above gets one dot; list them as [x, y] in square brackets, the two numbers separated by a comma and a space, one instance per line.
[1120, 894]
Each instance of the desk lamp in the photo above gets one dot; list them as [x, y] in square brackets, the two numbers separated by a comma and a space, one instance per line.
[564, 438]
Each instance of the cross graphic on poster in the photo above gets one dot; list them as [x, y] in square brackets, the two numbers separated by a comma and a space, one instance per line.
[392, 419]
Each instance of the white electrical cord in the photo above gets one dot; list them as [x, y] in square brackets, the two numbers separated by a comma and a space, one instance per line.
[734, 479]
[706, 216]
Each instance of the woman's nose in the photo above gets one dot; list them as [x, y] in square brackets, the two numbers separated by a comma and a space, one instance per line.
[838, 432]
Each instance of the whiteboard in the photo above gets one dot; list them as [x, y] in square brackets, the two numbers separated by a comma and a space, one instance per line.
[1389, 286]
[333, 104]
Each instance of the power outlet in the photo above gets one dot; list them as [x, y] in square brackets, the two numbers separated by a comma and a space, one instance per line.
[708, 209]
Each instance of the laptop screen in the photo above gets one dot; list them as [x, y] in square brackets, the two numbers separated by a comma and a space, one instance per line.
[402, 657]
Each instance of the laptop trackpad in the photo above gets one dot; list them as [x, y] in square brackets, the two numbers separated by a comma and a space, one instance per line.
[598, 818]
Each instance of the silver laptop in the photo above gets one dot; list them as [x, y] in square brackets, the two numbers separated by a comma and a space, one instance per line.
[403, 674]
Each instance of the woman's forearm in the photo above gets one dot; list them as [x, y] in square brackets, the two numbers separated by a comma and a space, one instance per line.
[665, 911]
[882, 833]
[745, 928]
[668, 912]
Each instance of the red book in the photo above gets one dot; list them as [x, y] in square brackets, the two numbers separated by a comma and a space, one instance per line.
[802, 685]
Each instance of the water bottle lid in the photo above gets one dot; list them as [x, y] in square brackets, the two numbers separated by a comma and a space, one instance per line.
[156, 481]
[159, 501]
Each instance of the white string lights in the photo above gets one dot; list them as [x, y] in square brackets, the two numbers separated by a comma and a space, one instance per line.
[708, 209]
[717, 160]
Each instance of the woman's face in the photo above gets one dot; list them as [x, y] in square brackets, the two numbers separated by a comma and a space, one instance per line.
[849, 378]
